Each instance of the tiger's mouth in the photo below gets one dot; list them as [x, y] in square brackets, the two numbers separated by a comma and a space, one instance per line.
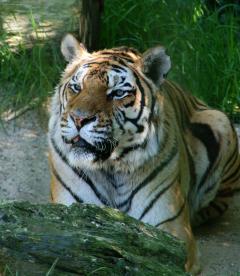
[102, 151]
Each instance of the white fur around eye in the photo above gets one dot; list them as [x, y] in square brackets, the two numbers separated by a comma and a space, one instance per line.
[119, 94]
[76, 82]
[75, 87]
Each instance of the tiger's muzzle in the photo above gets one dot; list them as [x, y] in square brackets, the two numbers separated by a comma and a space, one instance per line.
[101, 149]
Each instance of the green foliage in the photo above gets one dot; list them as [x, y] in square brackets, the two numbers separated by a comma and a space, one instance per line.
[27, 74]
[30, 69]
[204, 48]
[203, 45]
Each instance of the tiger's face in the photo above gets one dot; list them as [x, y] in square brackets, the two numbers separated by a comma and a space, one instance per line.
[107, 102]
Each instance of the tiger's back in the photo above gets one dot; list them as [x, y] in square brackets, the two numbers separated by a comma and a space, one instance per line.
[211, 145]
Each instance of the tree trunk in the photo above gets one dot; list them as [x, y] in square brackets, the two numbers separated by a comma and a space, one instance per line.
[89, 26]
[83, 240]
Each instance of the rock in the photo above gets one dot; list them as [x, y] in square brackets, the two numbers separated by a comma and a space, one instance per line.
[83, 240]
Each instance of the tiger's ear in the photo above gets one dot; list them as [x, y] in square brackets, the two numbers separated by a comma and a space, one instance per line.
[156, 64]
[71, 48]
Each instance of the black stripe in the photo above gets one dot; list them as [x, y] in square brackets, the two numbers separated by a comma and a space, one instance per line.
[166, 134]
[142, 104]
[122, 49]
[149, 178]
[173, 217]
[116, 70]
[64, 120]
[106, 62]
[142, 93]
[204, 133]
[233, 175]
[212, 186]
[178, 110]
[59, 97]
[140, 128]
[225, 192]
[111, 178]
[218, 208]
[152, 98]
[77, 198]
[81, 175]
[63, 95]
[86, 65]
[60, 109]
[51, 195]
[196, 104]
[98, 131]
[153, 201]
[232, 159]
[191, 166]
[115, 66]
[120, 61]
[119, 53]
[131, 103]
[126, 84]
[203, 180]
[66, 97]
[183, 99]
[118, 121]
[152, 108]
[131, 148]
[128, 59]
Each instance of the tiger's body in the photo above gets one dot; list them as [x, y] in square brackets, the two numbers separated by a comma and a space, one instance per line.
[121, 136]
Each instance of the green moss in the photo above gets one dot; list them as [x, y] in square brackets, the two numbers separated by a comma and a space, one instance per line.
[85, 240]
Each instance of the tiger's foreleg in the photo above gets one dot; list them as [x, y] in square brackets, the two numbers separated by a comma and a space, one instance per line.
[180, 227]
[53, 181]
[58, 190]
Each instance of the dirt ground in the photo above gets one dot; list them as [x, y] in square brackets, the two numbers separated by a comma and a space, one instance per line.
[24, 175]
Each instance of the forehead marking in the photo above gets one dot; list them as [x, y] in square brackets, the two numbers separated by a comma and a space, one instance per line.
[119, 77]
[116, 75]
[79, 76]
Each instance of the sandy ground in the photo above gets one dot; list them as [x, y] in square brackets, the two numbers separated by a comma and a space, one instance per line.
[24, 175]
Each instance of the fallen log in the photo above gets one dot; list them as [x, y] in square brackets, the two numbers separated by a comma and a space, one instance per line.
[82, 239]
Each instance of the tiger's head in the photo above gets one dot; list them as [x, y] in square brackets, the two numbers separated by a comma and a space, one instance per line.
[106, 102]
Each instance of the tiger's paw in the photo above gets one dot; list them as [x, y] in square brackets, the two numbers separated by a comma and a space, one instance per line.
[192, 265]
[194, 268]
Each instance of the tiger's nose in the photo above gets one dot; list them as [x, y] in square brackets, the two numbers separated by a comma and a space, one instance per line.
[81, 120]
[78, 121]
[76, 112]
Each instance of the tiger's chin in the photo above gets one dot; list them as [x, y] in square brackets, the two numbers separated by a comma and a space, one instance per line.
[86, 155]
[78, 158]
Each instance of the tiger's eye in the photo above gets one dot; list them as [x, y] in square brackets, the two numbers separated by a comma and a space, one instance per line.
[119, 92]
[76, 88]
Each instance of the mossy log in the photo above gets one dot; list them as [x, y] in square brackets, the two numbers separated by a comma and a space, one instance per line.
[83, 240]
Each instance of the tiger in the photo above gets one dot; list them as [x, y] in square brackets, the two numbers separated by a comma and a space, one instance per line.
[122, 135]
